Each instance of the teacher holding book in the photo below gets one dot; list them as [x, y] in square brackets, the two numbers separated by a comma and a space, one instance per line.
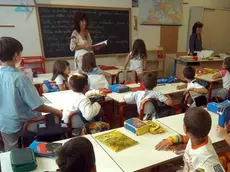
[81, 41]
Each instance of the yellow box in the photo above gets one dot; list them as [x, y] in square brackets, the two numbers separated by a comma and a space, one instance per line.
[136, 126]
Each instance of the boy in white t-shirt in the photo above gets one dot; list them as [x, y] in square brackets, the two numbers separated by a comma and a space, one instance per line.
[194, 89]
[200, 154]
[80, 102]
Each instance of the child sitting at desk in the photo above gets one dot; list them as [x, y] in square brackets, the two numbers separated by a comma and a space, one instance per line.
[137, 58]
[76, 154]
[150, 82]
[80, 101]
[61, 71]
[19, 98]
[199, 154]
[196, 91]
[95, 75]
[225, 75]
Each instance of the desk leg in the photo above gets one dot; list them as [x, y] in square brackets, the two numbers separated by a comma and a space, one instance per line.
[121, 113]
[210, 92]
[174, 71]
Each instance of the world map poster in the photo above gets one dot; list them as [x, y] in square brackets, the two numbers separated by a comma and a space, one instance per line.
[161, 12]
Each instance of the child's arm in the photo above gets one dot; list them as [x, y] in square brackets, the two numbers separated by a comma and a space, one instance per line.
[145, 63]
[168, 101]
[48, 109]
[166, 143]
[106, 74]
[224, 133]
[199, 90]
[62, 87]
[220, 74]
[89, 110]
[127, 61]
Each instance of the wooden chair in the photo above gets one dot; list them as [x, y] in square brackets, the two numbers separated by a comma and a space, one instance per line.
[127, 76]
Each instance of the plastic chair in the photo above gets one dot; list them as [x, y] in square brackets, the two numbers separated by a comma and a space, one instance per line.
[75, 123]
[43, 89]
[148, 106]
[35, 60]
[31, 125]
[127, 76]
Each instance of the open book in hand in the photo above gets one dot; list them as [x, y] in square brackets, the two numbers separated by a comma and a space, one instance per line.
[101, 43]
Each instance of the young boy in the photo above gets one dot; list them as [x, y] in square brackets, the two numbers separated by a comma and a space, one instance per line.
[150, 82]
[199, 153]
[196, 91]
[19, 98]
[76, 155]
[80, 102]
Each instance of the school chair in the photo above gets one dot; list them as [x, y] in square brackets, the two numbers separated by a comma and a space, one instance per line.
[219, 99]
[43, 88]
[37, 63]
[30, 129]
[75, 125]
[78, 127]
[151, 107]
[127, 77]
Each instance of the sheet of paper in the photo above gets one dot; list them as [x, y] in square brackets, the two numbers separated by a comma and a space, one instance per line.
[205, 53]
[101, 43]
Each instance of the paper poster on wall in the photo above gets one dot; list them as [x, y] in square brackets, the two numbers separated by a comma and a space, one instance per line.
[161, 12]
[135, 3]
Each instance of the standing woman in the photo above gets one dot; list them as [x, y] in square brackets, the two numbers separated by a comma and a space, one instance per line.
[81, 41]
[195, 41]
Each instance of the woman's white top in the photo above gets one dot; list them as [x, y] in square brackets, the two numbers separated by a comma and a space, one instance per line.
[78, 40]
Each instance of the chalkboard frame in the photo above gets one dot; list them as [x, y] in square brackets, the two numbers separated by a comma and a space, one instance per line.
[82, 7]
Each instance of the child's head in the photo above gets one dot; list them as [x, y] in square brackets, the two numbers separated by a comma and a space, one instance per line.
[79, 83]
[189, 73]
[88, 62]
[76, 155]
[139, 48]
[197, 123]
[226, 64]
[10, 50]
[149, 81]
[61, 67]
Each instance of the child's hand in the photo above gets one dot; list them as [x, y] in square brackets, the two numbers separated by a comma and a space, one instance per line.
[102, 92]
[163, 145]
[222, 131]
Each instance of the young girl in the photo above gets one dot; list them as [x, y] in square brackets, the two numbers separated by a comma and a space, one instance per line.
[137, 58]
[61, 71]
[224, 73]
[96, 76]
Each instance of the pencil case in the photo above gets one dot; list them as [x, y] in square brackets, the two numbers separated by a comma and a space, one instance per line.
[136, 126]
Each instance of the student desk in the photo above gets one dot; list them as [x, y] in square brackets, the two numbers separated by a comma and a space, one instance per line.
[104, 163]
[119, 97]
[208, 78]
[175, 122]
[143, 155]
[181, 62]
[48, 76]
[61, 100]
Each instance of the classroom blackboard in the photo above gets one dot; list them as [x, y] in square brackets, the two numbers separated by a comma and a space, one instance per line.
[56, 26]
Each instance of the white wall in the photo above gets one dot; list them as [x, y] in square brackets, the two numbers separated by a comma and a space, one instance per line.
[26, 29]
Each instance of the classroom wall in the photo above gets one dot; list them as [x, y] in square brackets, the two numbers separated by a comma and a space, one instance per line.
[26, 29]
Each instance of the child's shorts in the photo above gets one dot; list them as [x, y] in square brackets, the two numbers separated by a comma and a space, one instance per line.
[220, 92]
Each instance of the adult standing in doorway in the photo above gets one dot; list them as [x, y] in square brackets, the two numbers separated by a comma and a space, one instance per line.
[81, 41]
[195, 41]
